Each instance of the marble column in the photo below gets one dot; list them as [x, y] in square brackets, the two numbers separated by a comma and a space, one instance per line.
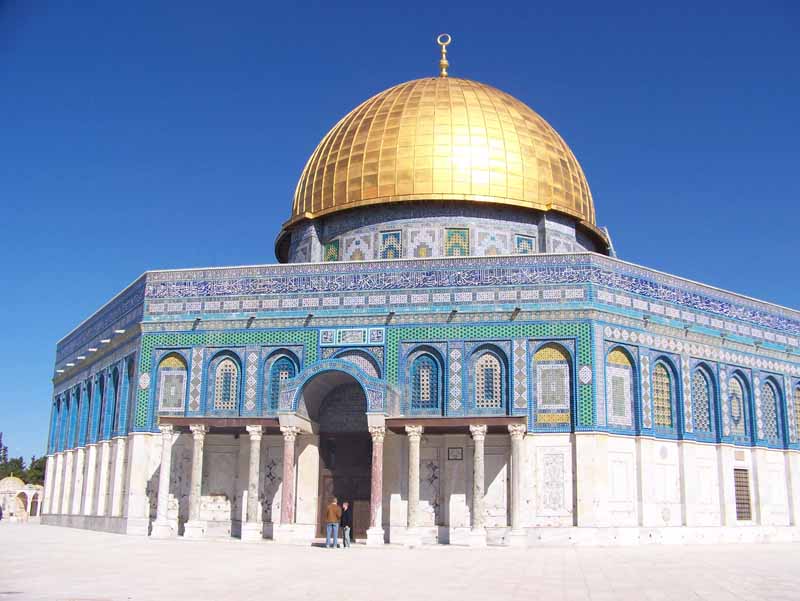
[477, 535]
[77, 496]
[57, 489]
[118, 483]
[375, 530]
[287, 486]
[102, 491]
[253, 529]
[49, 476]
[162, 527]
[413, 536]
[91, 478]
[67, 489]
[517, 537]
[195, 527]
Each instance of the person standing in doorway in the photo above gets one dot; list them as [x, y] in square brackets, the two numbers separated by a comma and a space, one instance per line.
[333, 514]
[347, 523]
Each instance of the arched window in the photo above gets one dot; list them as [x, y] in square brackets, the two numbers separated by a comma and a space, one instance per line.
[282, 368]
[171, 383]
[489, 387]
[619, 388]
[736, 401]
[701, 400]
[102, 408]
[115, 412]
[425, 383]
[552, 384]
[769, 411]
[226, 385]
[662, 396]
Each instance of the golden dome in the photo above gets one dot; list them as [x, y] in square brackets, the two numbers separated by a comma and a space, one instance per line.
[443, 138]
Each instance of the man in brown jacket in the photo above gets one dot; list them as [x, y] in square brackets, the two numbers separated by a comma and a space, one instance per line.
[333, 513]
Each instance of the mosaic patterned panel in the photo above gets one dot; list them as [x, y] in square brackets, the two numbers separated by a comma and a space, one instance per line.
[662, 397]
[424, 383]
[585, 416]
[725, 403]
[488, 382]
[769, 411]
[423, 243]
[520, 359]
[647, 397]
[757, 405]
[701, 400]
[796, 413]
[491, 243]
[525, 245]
[361, 360]
[220, 339]
[686, 386]
[391, 245]
[736, 402]
[330, 251]
[619, 382]
[456, 355]
[251, 380]
[356, 248]
[598, 365]
[456, 242]
[194, 384]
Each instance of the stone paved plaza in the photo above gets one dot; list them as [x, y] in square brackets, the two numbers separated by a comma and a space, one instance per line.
[46, 562]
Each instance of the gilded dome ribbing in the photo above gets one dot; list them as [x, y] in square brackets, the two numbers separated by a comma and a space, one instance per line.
[443, 138]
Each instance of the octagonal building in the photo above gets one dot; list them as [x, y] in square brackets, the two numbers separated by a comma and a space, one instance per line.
[449, 343]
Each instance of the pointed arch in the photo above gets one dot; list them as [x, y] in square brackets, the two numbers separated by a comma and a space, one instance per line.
[280, 366]
[552, 384]
[738, 401]
[225, 383]
[620, 383]
[703, 395]
[171, 383]
[425, 382]
[769, 410]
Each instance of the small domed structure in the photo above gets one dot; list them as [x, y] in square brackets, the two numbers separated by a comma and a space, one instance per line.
[11, 483]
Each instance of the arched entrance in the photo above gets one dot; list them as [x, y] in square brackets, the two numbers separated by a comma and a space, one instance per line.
[336, 402]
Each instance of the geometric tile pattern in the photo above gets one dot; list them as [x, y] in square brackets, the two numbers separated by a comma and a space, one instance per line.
[456, 242]
[737, 403]
[488, 382]
[687, 394]
[757, 403]
[525, 245]
[769, 410]
[391, 245]
[724, 403]
[196, 380]
[331, 251]
[456, 356]
[520, 373]
[701, 399]
[662, 396]
[251, 379]
[647, 417]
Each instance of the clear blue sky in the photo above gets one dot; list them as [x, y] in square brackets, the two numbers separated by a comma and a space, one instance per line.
[144, 135]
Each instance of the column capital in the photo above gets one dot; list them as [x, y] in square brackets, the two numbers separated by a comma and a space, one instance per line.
[290, 433]
[199, 431]
[517, 431]
[165, 429]
[377, 433]
[414, 432]
[255, 432]
[477, 431]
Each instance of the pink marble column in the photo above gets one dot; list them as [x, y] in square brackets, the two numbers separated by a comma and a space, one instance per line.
[375, 531]
[287, 487]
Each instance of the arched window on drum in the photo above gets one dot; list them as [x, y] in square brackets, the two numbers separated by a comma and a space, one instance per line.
[281, 369]
[425, 384]
[553, 389]
[619, 388]
[171, 383]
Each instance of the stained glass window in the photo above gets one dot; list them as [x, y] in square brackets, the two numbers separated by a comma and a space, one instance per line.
[488, 382]
[736, 401]
[425, 383]
[330, 251]
[769, 411]
[171, 383]
[281, 369]
[701, 401]
[662, 396]
[525, 245]
[226, 385]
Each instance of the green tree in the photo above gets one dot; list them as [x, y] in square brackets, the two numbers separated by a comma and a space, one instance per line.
[35, 472]
[15, 465]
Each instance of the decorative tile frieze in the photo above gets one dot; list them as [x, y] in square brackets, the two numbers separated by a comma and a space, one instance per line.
[520, 361]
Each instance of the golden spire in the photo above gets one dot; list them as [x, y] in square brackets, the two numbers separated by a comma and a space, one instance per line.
[443, 39]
